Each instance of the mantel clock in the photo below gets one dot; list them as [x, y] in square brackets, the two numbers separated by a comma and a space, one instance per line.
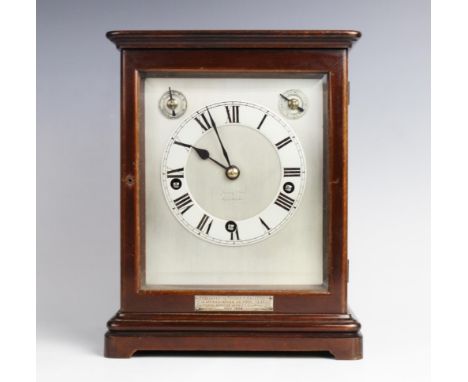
[233, 193]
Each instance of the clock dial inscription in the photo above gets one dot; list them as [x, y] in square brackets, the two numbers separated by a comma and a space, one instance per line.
[231, 180]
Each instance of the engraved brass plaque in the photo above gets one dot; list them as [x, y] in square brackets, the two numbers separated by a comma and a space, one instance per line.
[234, 303]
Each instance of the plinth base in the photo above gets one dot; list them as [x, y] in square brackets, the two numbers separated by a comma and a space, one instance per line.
[337, 334]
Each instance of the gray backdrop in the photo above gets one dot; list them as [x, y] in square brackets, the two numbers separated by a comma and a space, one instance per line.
[78, 179]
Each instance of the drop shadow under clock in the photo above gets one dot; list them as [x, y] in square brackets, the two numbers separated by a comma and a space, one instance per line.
[235, 354]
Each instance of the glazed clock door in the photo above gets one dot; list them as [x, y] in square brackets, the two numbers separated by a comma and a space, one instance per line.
[234, 181]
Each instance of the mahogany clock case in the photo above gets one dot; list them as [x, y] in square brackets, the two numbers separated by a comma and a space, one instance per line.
[302, 320]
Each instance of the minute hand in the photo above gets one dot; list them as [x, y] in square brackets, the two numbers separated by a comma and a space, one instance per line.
[219, 139]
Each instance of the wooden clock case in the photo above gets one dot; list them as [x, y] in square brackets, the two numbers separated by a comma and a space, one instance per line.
[302, 320]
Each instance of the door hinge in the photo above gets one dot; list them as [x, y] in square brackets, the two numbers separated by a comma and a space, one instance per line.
[347, 271]
[349, 92]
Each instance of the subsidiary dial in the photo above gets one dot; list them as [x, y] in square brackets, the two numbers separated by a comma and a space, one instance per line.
[292, 103]
[173, 104]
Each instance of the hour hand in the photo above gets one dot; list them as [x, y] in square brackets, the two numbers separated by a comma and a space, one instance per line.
[172, 104]
[292, 103]
[202, 153]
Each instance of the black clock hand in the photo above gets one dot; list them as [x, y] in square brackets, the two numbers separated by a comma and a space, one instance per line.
[219, 139]
[202, 153]
[287, 99]
[172, 99]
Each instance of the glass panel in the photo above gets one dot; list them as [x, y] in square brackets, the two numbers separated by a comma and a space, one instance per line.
[234, 182]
